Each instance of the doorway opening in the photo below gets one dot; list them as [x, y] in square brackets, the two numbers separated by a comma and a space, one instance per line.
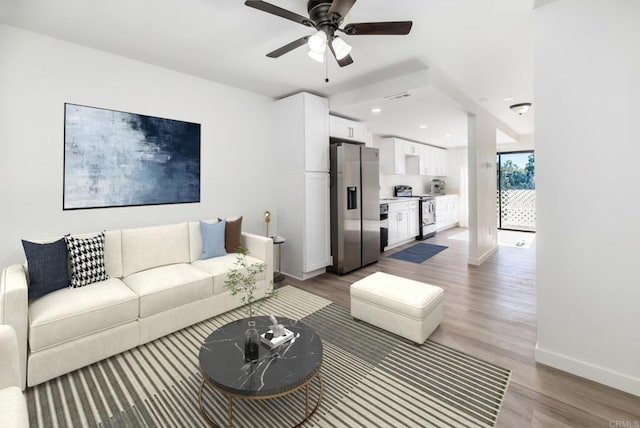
[516, 198]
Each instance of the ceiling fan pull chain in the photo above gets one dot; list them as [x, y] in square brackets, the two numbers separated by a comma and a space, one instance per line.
[326, 66]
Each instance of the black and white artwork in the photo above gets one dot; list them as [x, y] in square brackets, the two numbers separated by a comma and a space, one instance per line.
[116, 159]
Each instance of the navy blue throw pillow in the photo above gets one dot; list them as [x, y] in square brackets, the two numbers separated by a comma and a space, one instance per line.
[47, 265]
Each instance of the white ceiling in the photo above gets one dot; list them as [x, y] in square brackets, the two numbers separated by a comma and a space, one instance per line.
[484, 48]
[445, 120]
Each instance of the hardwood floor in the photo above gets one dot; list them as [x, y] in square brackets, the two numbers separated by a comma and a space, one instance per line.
[490, 313]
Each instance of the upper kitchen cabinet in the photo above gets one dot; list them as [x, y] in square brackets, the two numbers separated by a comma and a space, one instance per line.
[412, 149]
[302, 131]
[347, 130]
[399, 156]
[433, 161]
[392, 156]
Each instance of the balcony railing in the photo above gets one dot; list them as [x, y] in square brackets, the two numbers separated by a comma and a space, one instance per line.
[518, 209]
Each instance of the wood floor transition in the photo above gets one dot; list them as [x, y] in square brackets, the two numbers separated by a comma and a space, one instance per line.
[490, 313]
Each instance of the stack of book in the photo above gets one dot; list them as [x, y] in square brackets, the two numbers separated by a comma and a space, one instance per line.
[273, 342]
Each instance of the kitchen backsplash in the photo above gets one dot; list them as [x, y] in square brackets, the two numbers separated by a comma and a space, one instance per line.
[420, 183]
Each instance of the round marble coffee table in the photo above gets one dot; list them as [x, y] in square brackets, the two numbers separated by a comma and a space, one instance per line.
[278, 372]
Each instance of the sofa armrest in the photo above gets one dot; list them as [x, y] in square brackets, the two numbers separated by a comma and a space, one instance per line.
[9, 359]
[14, 311]
[261, 248]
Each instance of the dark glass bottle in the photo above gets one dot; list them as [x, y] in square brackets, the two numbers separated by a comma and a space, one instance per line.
[251, 342]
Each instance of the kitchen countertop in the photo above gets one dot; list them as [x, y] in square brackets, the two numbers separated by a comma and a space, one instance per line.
[398, 199]
[393, 199]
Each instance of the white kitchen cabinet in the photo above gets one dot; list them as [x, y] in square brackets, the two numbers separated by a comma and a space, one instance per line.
[412, 218]
[403, 222]
[392, 156]
[446, 211]
[302, 215]
[301, 124]
[433, 161]
[317, 232]
[345, 129]
[412, 149]
[440, 164]
[399, 156]
[426, 160]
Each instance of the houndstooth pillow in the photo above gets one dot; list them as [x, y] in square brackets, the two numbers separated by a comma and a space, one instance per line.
[87, 260]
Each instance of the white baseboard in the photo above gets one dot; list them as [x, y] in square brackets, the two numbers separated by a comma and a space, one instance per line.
[478, 261]
[589, 371]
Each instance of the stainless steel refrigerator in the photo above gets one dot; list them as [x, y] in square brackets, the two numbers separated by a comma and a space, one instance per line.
[355, 206]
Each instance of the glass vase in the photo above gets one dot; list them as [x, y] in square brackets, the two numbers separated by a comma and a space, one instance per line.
[251, 342]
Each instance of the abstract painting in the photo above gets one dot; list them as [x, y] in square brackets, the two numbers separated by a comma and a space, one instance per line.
[117, 159]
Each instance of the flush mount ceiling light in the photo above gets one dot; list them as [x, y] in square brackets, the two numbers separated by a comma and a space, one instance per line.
[376, 110]
[506, 99]
[520, 108]
[423, 126]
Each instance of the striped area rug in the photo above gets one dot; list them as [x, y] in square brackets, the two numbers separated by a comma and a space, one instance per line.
[371, 379]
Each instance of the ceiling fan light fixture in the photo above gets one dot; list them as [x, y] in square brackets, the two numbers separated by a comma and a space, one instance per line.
[520, 108]
[340, 47]
[316, 56]
[318, 42]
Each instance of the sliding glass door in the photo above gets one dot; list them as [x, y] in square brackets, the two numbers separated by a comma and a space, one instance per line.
[516, 191]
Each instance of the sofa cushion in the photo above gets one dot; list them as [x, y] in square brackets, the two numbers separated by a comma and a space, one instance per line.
[112, 250]
[47, 267]
[150, 247]
[212, 239]
[113, 253]
[219, 267]
[87, 260]
[195, 239]
[71, 313]
[168, 287]
[233, 234]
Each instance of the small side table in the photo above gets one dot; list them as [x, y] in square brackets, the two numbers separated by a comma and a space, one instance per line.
[278, 241]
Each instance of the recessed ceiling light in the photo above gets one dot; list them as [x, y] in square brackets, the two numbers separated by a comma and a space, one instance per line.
[505, 99]
[423, 126]
[376, 110]
[448, 135]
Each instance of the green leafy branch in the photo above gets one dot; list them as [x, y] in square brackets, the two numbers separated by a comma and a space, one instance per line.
[242, 280]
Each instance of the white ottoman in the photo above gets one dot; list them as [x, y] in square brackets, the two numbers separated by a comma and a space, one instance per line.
[408, 308]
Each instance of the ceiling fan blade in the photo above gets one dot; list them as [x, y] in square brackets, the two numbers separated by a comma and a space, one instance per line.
[278, 11]
[341, 7]
[400, 28]
[288, 47]
[341, 62]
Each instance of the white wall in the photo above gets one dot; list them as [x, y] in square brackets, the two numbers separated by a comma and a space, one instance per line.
[588, 194]
[39, 74]
[526, 143]
[482, 187]
[458, 180]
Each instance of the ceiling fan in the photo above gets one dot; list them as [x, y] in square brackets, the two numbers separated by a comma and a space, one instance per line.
[326, 16]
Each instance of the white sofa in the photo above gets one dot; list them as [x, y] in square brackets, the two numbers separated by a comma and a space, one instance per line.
[157, 285]
[13, 404]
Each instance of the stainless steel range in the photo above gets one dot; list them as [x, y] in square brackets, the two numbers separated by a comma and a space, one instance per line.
[427, 213]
